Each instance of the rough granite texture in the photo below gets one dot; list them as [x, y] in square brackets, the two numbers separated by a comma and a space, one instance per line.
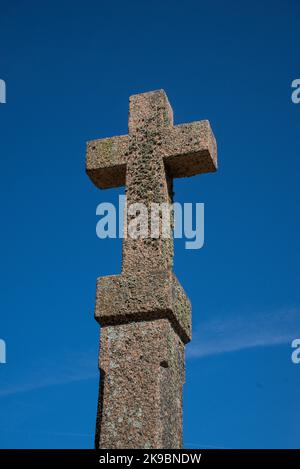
[141, 377]
[144, 312]
[132, 297]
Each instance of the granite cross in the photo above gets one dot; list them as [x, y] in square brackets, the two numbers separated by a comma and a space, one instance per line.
[144, 313]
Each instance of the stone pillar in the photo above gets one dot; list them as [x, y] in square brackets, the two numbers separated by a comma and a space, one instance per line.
[144, 313]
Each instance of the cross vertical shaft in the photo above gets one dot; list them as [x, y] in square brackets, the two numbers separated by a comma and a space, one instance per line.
[144, 313]
[146, 179]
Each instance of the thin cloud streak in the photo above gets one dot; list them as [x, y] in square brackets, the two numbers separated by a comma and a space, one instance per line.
[67, 369]
[213, 337]
[237, 333]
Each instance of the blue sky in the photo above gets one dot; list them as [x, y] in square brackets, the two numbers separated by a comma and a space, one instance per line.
[70, 68]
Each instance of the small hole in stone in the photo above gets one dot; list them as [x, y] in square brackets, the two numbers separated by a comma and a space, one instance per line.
[164, 364]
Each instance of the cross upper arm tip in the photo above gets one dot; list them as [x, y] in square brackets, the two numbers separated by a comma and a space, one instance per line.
[149, 93]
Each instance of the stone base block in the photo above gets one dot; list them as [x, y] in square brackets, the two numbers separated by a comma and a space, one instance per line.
[141, 378]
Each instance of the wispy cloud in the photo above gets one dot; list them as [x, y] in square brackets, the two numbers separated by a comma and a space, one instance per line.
[33, 433]
[242, 332]
[201, 445]
[52, 372]
[212, 338]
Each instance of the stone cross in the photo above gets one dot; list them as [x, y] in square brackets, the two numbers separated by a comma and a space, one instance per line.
[144, 313]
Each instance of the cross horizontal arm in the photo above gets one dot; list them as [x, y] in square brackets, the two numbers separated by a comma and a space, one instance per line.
[189, 149]
[106, 161]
